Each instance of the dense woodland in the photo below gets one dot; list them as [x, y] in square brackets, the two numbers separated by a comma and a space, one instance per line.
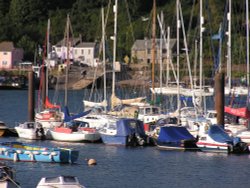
[24, 22]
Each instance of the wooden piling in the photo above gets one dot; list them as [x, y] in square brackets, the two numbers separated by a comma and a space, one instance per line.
[44, 86]
[31, 96]
[219, 98]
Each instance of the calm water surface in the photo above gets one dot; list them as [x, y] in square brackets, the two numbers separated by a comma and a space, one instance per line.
[125, 167]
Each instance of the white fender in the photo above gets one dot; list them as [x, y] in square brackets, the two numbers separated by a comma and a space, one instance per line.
[15, 157]
[45, 153]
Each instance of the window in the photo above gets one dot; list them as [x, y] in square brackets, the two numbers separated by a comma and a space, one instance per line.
[82, 51]
[5, 53]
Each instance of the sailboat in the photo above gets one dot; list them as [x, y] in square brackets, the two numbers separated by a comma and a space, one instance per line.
[48, 115]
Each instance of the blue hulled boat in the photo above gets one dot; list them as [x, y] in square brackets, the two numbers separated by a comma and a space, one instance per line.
[18, 151]
[175, 138]
[125, 131]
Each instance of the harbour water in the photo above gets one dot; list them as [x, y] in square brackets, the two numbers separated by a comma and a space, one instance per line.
[124, 167]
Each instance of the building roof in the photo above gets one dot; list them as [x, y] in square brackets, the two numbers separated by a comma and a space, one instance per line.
[75, 41]
[6, 46]
[141, 44]
[86, 45]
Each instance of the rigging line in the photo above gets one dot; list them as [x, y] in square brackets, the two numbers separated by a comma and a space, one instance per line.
[129, 18]
[190, 21]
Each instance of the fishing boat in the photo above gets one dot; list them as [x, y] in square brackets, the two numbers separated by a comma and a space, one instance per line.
[30, 130]
[18, 151]
[7, 177]
[174, 137]
[75, 132]
[60, 182]
[125, 131]
[215, 139]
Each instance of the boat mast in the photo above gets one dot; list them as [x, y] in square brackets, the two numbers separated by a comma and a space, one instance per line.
[229, 66]
[48, 59]
[247, 26]
[115, 9]
[67, 62]
[153, 50]
[104, 60]
[201, 47]
[161, 38]
[178, 24]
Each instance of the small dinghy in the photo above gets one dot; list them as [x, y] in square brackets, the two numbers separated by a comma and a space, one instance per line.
[60, 182]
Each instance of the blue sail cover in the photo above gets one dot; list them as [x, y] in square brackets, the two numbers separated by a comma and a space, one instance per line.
[127, 126]
[173, 134]
[218, 134]
[68, 118]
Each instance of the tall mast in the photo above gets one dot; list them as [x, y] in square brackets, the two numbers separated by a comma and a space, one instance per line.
[178, 25]
[201, 41]
[161, 38]
[153, 49]
[67, 61]
[229, 66]
[115, 9]
[247, 26]
[48, 58]
[104, 60]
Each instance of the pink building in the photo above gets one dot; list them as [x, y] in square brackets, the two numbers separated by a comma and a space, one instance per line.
[9, 55]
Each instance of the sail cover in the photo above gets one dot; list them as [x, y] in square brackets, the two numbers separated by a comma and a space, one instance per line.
[218, 134]
[48, 104]
[174, 134]
[240, 112]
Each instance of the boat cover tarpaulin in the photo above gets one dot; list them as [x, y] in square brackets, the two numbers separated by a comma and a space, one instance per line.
[68, 117]
[218, 134]
[174, 134]
[240, 112]
[127, 126]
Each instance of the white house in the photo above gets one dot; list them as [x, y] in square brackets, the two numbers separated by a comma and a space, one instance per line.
[84, 52]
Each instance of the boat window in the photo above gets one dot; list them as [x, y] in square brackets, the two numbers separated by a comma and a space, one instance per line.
[155, 110]
[69, 179]
[52, 180]
[203, 138]
[148, 110]
[141, 111]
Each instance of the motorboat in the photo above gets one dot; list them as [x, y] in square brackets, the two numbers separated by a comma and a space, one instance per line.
[3, 128]
[17, 151]
[175, 137]
[75, 132]
[60, 182]
[30, 130]
[7, 177]
[125, 131]
[215, 139]
[150, 114]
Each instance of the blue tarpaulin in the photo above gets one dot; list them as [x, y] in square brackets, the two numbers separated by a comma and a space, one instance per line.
[68, 117]
[218, 134]
[127, 126]
[174, 134]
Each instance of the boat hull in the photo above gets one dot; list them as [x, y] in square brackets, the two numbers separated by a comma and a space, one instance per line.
[28, 153]
[217, 148]
[75, 136]
[114, 139]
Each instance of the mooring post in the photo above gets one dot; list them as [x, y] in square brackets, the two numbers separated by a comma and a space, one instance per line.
[219, 98]
[44, 86]
[31, 96]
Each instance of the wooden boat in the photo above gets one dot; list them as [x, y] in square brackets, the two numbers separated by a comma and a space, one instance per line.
[30, 130]
[60, 182]
[18, 151]
[76, 133]
[7, 177]
[215, 139]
